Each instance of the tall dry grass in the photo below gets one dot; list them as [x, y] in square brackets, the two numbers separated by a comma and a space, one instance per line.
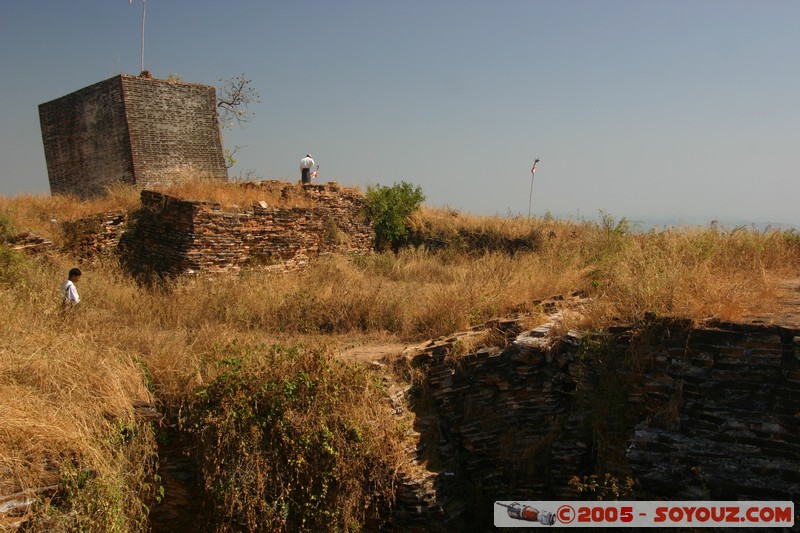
[67, 408]
[418, 294]
[238, 194]
[692, 272]
[42, 214]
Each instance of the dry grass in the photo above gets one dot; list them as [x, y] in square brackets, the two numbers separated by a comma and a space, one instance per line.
[694, 272]
[237, 194]
[451, 222]
[68, 380]
[67, 405]
[443, 220]
[241, 194]
[42, 214]
[418, 294]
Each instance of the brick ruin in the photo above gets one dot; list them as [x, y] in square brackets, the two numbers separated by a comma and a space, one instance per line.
[173, 236]
[131, 129]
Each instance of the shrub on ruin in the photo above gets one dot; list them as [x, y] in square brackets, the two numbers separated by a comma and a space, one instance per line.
[389, 208]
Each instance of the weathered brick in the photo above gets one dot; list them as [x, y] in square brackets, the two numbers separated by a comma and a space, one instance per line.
[129, 129]
[175, 236]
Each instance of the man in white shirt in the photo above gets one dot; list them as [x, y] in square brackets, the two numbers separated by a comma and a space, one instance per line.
[306, 164]
[69, 290]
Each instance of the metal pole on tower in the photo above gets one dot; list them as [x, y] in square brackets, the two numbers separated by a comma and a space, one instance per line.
[144, 13]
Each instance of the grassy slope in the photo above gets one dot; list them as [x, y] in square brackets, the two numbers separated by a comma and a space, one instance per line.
[68, 381]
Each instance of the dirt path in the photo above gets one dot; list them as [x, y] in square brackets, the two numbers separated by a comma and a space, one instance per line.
[787, 306]
[373, 352]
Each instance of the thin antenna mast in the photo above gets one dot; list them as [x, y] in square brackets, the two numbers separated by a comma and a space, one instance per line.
[144, 14]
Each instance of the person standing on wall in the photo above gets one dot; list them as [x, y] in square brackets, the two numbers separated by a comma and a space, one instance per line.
[306, 164]
[68, 288]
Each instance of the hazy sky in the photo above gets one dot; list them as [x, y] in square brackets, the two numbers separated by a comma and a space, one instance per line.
[644, 109]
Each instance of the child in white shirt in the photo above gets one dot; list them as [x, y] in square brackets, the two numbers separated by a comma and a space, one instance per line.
[68, 288]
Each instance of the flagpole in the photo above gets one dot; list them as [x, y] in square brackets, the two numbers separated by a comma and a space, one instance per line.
[530, 198]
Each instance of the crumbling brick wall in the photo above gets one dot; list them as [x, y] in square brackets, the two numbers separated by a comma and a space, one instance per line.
[94, 236]
[172, 236]
[130, 129]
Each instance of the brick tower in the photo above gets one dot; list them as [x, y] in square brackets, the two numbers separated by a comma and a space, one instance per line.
[132, 129]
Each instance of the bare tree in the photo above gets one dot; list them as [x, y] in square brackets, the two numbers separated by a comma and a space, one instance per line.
[233, 97]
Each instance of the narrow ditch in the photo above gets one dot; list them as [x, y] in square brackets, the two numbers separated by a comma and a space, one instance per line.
[180, 507]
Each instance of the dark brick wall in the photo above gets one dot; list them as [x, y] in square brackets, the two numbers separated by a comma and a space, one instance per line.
[174, 131]
[130, 129]
[85, 137]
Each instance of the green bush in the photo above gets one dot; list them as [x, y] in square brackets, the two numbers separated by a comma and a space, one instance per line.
[294, 440]
[388, 208]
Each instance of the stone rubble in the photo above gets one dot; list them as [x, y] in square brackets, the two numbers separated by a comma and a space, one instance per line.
[31, 243]
[93, 237]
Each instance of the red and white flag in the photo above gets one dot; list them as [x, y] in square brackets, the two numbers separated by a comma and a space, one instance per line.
[533, 168]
